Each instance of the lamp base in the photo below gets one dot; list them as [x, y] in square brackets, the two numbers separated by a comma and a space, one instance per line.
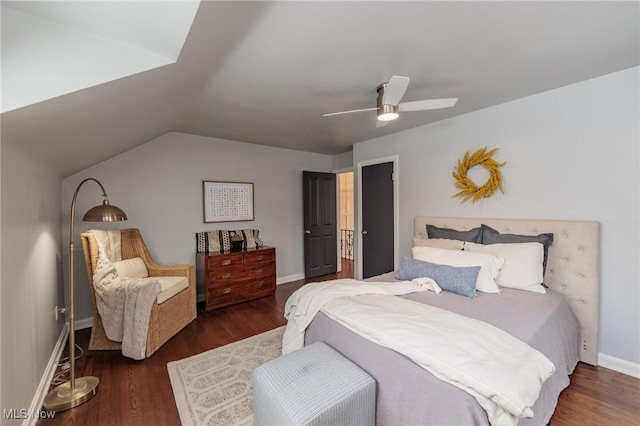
[63, 397]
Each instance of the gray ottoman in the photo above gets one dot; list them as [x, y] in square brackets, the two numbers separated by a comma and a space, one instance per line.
[313, 386]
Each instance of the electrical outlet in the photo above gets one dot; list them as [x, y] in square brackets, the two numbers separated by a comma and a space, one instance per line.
[59, 310]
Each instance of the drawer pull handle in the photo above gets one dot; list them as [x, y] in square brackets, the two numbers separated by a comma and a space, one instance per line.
[260, 283]
[259, 257]
[226, 262]
[226, 291]
[259, 270]
[227, 275]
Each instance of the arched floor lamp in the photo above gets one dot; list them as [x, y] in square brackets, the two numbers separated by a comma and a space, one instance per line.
[79, 390]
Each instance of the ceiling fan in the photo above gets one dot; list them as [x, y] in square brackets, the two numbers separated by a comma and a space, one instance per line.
[389, 105]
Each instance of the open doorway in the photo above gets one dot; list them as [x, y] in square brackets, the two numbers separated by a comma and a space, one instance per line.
[345, 223]
[328, 211]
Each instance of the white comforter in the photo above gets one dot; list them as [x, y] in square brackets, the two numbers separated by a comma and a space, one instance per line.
[303, 305]
[504, 374]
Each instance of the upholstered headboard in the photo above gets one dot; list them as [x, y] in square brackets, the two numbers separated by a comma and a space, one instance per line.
[573, 266]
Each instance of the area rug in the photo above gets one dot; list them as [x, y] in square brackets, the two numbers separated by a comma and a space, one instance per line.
[214, 387]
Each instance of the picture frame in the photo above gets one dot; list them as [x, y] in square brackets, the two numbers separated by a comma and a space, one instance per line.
[227, 201]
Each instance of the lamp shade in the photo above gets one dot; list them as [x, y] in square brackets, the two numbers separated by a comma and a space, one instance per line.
[104, 213]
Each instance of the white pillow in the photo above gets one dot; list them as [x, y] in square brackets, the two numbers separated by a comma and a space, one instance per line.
[438, 243]
[522, 264]
[131, 268]
[489, 264]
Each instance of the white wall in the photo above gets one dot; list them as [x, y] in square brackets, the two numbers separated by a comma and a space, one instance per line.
[31, 275]
[572, 153]
[159, 186]
[342, 161]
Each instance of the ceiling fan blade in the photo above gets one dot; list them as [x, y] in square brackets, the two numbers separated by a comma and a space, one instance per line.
[380, 123]
[396, 87]
[349, 112]
[427, 104]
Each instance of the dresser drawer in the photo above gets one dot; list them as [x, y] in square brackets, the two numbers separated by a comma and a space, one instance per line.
[260, 271]
[223, 274]
[239, 292]
[264, 257]
[234, 260]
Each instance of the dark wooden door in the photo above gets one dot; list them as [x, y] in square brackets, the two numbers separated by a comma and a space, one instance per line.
[377, 219]
[320, 224]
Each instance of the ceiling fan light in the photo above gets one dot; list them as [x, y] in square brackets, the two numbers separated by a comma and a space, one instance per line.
[389, 116]
[388, 112]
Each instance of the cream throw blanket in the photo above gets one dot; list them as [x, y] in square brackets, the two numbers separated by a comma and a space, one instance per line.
[303, 305]
[123, 303]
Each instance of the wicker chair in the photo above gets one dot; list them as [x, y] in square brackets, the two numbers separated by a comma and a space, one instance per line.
[167, 318]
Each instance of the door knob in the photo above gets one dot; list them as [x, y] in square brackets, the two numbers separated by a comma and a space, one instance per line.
[364, 232]
[306, 231]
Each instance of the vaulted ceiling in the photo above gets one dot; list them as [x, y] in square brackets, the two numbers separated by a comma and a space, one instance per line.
[265, 72]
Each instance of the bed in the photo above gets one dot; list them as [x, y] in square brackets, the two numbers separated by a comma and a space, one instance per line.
[562, 324]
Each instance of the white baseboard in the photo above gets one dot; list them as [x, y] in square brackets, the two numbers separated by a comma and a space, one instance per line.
[289, 278]
[619, 365]
[45, 381]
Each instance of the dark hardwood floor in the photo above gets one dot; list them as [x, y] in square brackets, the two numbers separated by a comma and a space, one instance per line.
[139, 392]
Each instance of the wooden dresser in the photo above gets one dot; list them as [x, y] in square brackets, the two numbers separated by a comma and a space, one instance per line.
[233, 277]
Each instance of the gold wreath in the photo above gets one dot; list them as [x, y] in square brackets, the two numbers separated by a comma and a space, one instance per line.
[468, 189]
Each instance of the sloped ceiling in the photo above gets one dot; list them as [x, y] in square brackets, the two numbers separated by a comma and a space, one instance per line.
[265, 72]
[51, 48]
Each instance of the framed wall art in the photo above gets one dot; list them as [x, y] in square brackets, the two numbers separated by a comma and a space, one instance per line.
[227, 201]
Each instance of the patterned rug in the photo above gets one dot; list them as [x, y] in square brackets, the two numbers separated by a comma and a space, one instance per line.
[214, 387]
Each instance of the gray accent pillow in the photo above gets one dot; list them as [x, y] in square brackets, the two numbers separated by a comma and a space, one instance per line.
[473, 235]
[459, 280]
[491, 236]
